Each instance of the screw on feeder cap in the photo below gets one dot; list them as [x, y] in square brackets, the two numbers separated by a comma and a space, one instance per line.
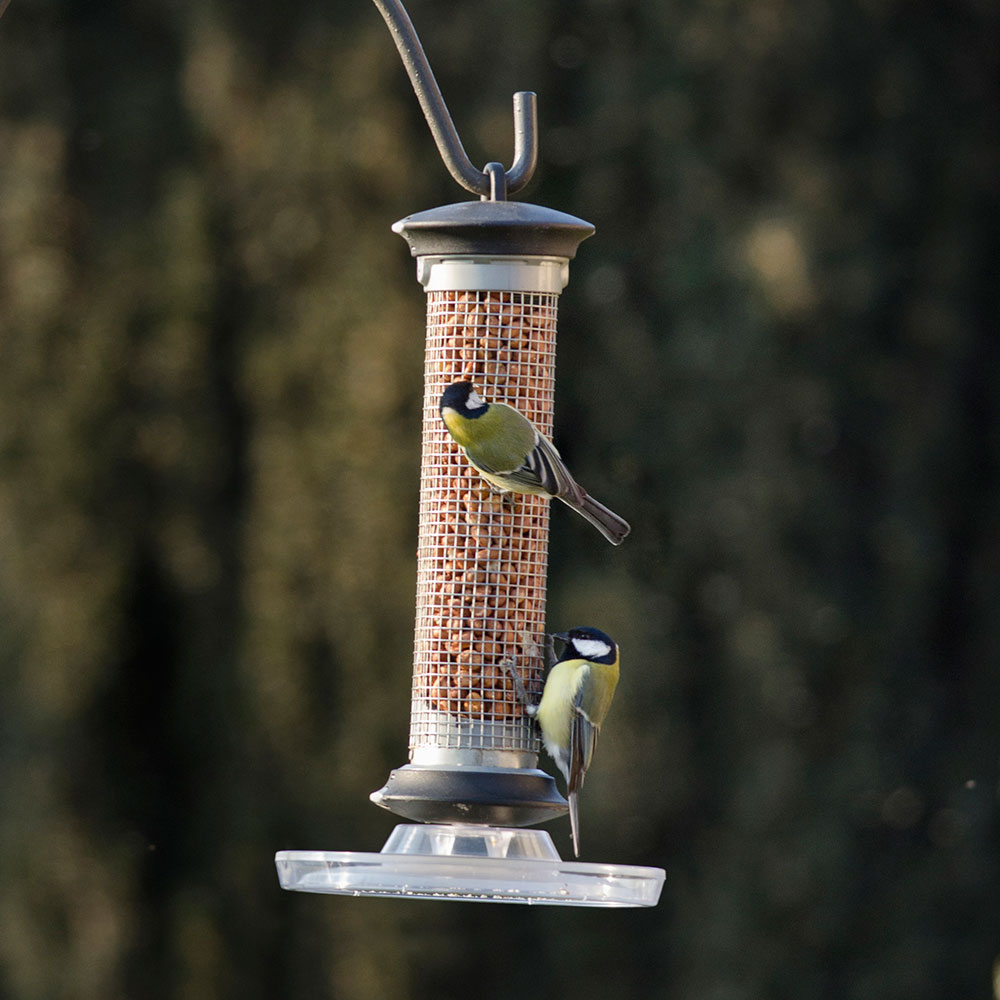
[495, 228]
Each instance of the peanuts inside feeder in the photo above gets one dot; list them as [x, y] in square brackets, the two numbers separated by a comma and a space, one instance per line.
[482, 555]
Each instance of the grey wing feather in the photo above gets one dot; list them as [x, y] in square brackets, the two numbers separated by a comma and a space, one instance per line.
[582, 740]
[543, 467]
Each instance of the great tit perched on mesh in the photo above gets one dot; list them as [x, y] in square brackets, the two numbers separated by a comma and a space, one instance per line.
[509, 452]
[576, 698]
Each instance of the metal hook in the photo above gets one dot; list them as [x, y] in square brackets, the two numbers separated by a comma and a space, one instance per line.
[481, 182]
[497, 179]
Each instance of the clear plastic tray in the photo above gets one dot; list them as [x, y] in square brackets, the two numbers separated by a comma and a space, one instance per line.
[472, 863]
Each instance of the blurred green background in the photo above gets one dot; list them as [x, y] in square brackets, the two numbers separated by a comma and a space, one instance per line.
[778, 359]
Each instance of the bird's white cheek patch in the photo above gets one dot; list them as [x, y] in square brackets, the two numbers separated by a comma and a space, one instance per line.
[475, 401]
[591, 649]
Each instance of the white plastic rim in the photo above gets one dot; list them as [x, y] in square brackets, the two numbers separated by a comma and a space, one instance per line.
[472, 864]
[493, 274]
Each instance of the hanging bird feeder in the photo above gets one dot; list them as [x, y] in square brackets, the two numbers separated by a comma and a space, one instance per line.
[492, 271]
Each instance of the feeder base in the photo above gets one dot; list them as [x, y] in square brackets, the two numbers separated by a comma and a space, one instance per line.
[471, 863]
[499, 796]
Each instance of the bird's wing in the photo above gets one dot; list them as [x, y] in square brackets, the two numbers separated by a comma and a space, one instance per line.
[480, 464]
[542, 467]
[582, 740]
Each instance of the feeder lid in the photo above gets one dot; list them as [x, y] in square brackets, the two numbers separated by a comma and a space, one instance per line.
[493, 227]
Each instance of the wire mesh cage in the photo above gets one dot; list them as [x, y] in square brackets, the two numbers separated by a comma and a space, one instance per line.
[482, 554]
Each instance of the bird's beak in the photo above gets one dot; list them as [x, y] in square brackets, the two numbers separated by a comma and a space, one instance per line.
[561, 635]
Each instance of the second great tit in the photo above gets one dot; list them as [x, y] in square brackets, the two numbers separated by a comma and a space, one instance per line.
[509, 452]
[576, 698]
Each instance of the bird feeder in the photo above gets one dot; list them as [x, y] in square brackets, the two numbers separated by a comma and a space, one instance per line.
[492, 271]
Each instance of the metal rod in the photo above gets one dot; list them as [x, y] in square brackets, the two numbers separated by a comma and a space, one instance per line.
[498, 182]
[440, 121]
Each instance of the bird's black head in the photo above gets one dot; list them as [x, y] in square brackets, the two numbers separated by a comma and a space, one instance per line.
[463, 398]
[588, 644]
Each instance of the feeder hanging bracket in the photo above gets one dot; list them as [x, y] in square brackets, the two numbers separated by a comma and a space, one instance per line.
[492, 183]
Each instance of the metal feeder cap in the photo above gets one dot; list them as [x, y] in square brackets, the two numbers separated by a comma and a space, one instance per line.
[493, 227]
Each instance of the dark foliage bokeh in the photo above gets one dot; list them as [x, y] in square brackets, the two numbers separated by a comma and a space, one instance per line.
[778, 358]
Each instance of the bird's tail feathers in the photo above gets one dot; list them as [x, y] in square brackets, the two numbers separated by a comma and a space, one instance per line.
[607, 522]
[574, 822]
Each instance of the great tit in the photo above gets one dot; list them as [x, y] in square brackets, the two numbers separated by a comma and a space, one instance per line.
[575, 700]
[509, 452]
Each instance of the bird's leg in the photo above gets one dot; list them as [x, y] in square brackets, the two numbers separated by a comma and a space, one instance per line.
[507, 498]
[530, 707]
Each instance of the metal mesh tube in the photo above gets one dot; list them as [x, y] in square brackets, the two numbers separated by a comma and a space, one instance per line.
[482, 555]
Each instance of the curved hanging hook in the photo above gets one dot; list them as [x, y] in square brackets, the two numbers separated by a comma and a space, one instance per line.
[481, 182]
